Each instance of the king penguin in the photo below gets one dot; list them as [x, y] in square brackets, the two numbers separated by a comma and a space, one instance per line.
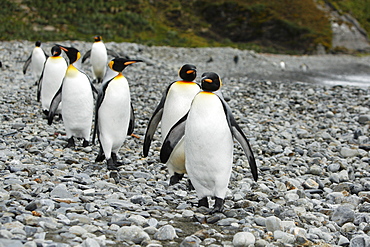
[99, 58]
[51, 79]
[37, 60]
[76, 93]
[114, 115]
[208, 130]
[175, 103]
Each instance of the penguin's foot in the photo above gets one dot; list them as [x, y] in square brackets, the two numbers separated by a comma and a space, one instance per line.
[203, 202]
[46, 112]
[114, 157]
[100, 157]
[111, 165]
[85, 143]
[175, 178]
[190, 185]
[115, 176]
[71, 143]
[219, 206]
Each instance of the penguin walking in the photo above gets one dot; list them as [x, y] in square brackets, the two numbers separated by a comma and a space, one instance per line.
[114, 115]
[99, 58]
[208, 130]
[76, 93]
[51, 79]
[36, 60]
[174, 104]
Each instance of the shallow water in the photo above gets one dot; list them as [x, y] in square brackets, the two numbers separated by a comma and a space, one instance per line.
[345, 80]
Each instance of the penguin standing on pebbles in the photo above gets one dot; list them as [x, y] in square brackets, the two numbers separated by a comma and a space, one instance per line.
[51, 79]
[174, 104]
[99, 58]
[114, 116]
[36, 60]
[208, 130]
[76, 93]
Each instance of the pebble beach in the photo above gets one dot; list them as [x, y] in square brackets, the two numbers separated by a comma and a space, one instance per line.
[307, 123]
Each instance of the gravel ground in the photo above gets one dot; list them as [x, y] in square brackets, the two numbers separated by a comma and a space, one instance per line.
[310, 139]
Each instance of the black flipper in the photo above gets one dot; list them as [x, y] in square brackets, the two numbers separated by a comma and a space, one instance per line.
[173, 137]
[219, 206]
[26, 64]
[237, 132]
[99, 101]
[39, 86]
[131, 125]
[38, 82]
[86, 56]
[153, 122]
[54, 104]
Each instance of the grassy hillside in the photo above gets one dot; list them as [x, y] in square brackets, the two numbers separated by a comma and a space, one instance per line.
[275, 26]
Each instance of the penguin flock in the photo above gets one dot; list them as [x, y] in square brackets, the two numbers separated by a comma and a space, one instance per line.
[196, 123]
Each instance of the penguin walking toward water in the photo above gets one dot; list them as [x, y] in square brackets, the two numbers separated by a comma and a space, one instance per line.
[76, 93]
[51, 79]
[36, 60]
[174, 104]
[99, 58]
[114, 115]
[208, 130]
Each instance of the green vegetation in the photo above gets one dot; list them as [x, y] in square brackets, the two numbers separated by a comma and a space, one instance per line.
[359, 9]
[287, 26]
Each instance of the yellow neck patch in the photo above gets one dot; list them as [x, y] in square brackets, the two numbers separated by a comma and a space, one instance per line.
[72, 70]
[120, 75]
[206, 92]
[185, 82]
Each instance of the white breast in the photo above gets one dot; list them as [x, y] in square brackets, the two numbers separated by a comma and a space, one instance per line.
[78, 103]
[177, 104]
[208, 146]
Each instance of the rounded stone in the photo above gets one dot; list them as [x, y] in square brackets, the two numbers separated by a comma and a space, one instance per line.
[243, 239]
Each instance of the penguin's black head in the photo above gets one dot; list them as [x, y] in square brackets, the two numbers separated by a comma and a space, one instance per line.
[38, 43]
[119, 64]
[188, 72]
[211, 82]
[56, 51]
[72, 53]
[97, 38]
